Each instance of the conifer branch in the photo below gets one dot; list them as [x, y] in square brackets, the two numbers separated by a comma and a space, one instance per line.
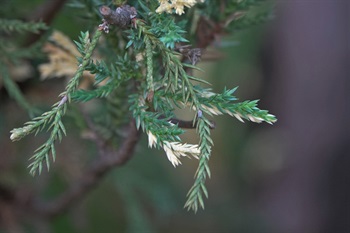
[166, 84]
[19, 26]
[100, 92]
[198, 190]
[53, 118]
[176, 77]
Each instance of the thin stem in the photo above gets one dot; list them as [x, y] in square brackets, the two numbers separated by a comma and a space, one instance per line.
[149, 55]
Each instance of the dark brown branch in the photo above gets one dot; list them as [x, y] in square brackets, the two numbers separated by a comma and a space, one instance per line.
[188, 124]
[208, 31]
[93, 175]
[190, 55]
[46, 12]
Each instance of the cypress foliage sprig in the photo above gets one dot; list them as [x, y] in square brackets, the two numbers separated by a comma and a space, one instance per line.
[161, 132]
[225, 103]
[87, 53]
[13, 25]
[198, 189]
[14, 91]
[116, 73]
[100, 92]
[152, 121]
[149, 62]
[53, 118]
[177, 81]
[175, 76]
[10, 54]
[176, 85]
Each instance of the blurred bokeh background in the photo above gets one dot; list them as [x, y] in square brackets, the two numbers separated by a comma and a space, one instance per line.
[292, 177]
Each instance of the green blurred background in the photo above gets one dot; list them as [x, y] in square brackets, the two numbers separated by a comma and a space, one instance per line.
[290, 177]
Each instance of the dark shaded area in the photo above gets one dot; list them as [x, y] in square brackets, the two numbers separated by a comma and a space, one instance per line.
[46, 13]
[309, 89]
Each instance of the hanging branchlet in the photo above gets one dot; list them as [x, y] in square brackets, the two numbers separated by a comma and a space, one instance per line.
[21, 26]
[176, 86]
[198, 190]
[149, 64]
[53, 118]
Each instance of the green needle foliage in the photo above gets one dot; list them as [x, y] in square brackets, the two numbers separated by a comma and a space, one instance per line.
[13, 89]
[53, 118]
[148, 62]
[13, 25]
[10, 54]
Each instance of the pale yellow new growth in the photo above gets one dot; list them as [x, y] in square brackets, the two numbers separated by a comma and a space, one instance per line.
[62, 57]
[215, 111]
[178, 5]
[152, 140]
[175, 150]
[62, 54]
